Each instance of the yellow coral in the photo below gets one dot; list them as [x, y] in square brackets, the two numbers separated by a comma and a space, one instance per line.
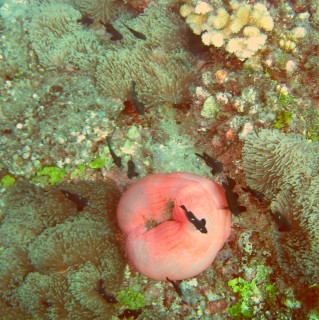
[287, 43]
[240, 18]
[196, 22]
[234, 4]
[185, 10]
[261, 18]
[220, 20]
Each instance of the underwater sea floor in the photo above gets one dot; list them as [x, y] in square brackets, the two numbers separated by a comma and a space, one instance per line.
[95, 95]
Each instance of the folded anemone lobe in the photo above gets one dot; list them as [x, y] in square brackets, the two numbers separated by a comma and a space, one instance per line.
[161, 241]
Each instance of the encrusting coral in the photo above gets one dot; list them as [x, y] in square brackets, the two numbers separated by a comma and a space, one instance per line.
[239, 30]
[55, 269]
[286, 169]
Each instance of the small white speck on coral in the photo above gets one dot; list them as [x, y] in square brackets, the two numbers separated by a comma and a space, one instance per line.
[80, 138]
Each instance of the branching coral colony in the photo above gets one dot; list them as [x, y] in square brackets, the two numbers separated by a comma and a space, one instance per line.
[240, 29]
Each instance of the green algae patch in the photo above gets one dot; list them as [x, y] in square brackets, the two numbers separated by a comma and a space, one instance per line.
[52, 175]
[131, 299]
[7, 181]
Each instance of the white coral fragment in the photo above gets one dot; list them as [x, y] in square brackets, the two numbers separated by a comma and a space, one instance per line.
[299, 33]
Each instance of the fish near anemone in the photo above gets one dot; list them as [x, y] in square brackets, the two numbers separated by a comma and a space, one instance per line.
[161, 242]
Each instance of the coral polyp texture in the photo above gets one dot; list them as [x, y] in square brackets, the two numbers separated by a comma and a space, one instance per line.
[240, 28]
[56, 261]
[60, 40]
[118, 69]
[163, 239]
[286, 169]
[99, 10]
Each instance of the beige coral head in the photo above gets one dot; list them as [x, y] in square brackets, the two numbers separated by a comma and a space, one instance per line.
[261, 18]
[255, 43]
[203, 8]
[214, 38]
[245, 48]
[196, 22]
[235, 45]
[220, 20]
[266, 23]
[234, 4]
[240, 18]
[251, 31]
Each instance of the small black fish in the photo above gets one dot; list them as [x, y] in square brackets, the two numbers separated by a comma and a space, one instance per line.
[80, 201]
[131, 173]
[176, 287]
[135, 33]
[116, 35]
[231, 197]
[256, 132]
[137, 104]
[282, 222]
[128, 313]
[101, 291]
[213, 163]
[199, 224]
[260, 196]
[117, 160]
[86, 21]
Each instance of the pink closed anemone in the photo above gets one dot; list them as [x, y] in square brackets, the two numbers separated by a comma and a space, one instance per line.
[164, 239]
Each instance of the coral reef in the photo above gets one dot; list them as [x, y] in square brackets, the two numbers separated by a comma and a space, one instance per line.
[239, 30]
[286, 169]
[59, 110]
[56, 259]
